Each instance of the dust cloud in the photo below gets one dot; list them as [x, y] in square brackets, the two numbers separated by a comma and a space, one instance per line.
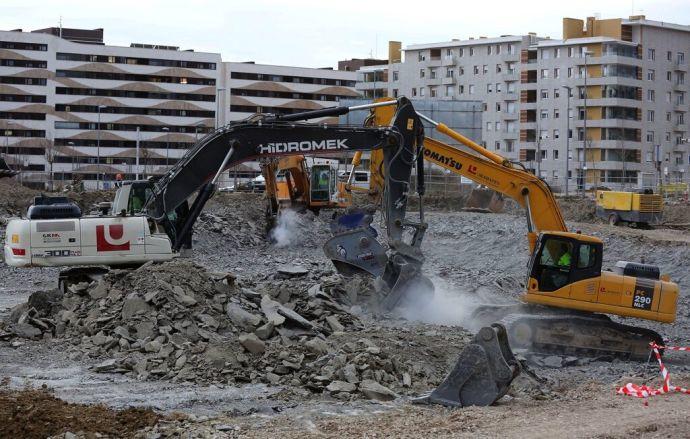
[286, 231]
[448, 306]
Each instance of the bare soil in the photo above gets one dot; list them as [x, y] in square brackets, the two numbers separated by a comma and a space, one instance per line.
[37, 413]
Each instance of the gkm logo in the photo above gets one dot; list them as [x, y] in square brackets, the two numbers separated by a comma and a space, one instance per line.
[108, 243]
[472, 169]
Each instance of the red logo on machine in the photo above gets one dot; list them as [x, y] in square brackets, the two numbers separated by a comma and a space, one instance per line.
[109, 242]
[472, 169]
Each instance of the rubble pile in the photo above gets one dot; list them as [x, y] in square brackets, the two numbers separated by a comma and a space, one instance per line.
[176, 321]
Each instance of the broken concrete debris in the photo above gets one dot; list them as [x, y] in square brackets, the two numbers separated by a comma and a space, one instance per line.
[176, 321]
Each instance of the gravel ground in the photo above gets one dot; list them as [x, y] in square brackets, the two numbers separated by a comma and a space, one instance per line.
[472, 258]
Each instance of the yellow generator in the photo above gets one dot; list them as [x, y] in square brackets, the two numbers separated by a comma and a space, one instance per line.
[631, 207]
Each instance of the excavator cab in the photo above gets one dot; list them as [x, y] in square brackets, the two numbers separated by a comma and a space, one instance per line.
[561, 259]
[322, 183]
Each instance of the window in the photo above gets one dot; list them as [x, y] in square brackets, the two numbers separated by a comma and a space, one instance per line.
[544, 154]
[395, 92]
[461, 89]
[650, 54]
[395, 76]
[544, 114]
[557, 52]
[449, 72]
[432, 92]
[414, 92]
[570, 72]
[498, 87]
[498, 106]
[422, 73]
[680, 59]
[650, 116]
[587, 256]
[510, 127]
[499, 68]
[422, 91]
[668, 116]
[544, 93]
[556, 113]
[571, 52]
[556, 93]
[650, 95]
[489, 88]
[489, 126]
[476, 70]
[668, 76]
[669, 56]
[449, 53]
[432, 73]
[556, 73]
[462, 51]
[498, 126]
[498, 49]
[650, 75]
[650, 136]
[511, 108]
[545, 54]
[544, 73]
[449, 90]
[471, 90]
[556, 135]
[668, 136]
[668, 97]
[471, 51]
[421, 56]
[511, 49]
[511, 87]
[497, 145]
[485, 69]
[488, 50]
[461, 71]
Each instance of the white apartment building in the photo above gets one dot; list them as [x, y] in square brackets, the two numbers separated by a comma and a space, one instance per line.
[83, 106]
[615, 88]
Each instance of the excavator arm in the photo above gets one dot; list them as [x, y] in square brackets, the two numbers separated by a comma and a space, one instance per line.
[273, 137]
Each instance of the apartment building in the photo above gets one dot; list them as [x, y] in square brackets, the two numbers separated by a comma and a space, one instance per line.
[483, 69]
[625, 81]
[611, 92]
[86, 110]
[262, 88]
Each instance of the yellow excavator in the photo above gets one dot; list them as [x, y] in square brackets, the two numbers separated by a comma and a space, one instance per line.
[302, 182]
[568, 297]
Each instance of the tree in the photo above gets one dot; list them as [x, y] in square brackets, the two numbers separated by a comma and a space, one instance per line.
[50, 153]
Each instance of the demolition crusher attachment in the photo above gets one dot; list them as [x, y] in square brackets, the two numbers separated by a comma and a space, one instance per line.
[482, 373]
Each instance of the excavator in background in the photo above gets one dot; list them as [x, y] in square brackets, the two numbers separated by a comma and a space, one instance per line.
[568, 297]
[301, 182]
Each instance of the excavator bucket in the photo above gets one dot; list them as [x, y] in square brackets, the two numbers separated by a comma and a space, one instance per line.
[482, 373]
[354, 248]
[485, 200]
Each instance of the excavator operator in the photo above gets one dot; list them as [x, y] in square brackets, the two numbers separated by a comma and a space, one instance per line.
[564, 260]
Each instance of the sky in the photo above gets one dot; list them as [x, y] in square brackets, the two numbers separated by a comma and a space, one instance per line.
[313, 33]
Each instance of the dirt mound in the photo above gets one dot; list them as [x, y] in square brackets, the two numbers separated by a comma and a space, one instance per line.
[14, 198]
[676, 213]
[176, 321]
[37, 413]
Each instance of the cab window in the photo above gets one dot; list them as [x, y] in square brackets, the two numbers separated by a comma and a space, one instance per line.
[587, 256]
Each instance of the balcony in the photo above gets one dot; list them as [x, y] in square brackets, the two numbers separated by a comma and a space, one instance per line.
[679, 127]
[450, 61]
[680, 66]
[449, 80]
[509, 116]
[682, 108]
[678, 86]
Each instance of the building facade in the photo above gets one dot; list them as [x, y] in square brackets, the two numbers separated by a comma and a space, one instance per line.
[85, 110]
[260, 88]
[603, 107]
